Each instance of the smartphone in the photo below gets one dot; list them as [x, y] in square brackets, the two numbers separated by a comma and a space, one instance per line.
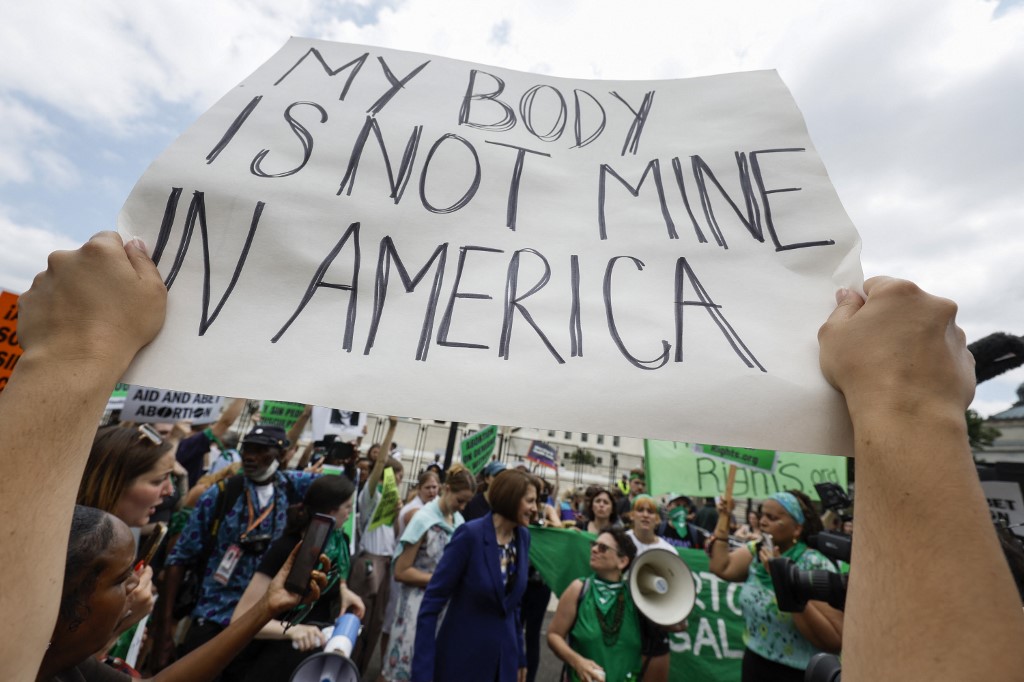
[152, 546]
[313, 544]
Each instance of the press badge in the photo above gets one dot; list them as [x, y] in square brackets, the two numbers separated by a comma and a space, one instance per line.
[228, 564]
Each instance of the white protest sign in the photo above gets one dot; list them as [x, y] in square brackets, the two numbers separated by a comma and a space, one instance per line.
[1005, 503]
[408, 234]
[343, 423]
[147, 405]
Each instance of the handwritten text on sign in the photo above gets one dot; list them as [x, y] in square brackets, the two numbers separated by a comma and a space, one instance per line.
[358, 226]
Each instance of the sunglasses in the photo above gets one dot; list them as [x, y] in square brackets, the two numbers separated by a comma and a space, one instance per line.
[602, 548]
[147, 432]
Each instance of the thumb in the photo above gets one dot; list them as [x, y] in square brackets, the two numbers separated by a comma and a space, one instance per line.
[848, 302]
[138, 255]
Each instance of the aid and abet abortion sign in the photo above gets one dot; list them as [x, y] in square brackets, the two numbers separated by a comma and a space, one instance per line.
[400, 233]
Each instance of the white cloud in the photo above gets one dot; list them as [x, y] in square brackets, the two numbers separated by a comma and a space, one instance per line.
[914, 106]
[23, 252]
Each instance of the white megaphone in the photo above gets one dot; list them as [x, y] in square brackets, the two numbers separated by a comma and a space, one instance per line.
[333, 663]
[662, 587]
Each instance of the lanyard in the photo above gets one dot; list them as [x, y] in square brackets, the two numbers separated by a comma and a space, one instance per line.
[263, 515]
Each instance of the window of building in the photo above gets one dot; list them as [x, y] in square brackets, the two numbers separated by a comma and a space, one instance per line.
[600, 439]
[551, 434]
[615, 441]
[583, 437]
[600, 461]
[568, 435]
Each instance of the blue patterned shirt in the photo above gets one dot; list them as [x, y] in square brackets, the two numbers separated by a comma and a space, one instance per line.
[217, 602]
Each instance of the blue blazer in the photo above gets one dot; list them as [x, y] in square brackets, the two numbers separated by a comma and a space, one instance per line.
[481, 637]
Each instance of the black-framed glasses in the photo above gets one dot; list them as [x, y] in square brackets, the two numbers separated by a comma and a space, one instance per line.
[147, 432]
[602, 548]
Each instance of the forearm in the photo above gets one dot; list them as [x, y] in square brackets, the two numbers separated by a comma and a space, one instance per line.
[561, 648]
[209, 659]
[821, 625]
[413, 576]
[909, 593]
[37, 525]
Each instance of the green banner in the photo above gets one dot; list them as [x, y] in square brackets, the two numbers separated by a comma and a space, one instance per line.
[276, 413]
[677, 468]
[711, 647]
[759, 460]
[477, 449]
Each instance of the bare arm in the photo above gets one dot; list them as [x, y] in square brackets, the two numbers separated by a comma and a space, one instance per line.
[295, 432]
[405, 572]
[208, 660]
[558, 632]
[78, 339]
[382, 457]
[902, 364]
[731, 566]
[307, 637]
[227, 417]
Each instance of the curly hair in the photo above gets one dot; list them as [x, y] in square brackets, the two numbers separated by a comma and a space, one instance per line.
[625, 543]
[812, 522]
[92, 531]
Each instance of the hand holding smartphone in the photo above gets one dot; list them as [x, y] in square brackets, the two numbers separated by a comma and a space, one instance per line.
[313, 544]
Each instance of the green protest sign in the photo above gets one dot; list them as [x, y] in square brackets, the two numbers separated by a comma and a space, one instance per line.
[476, 449]
[762, 460]
[117, 397]
[677, 467]
[712, 645]
[387, 508]
[277, 413]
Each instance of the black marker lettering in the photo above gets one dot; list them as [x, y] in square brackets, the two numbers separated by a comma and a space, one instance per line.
[507, 122]
[756, 166]
[318, 281]
[578, 123]
[470, 191]
[300, 132]
[613, 329]
[513, 186]
[513, 303]
[575, 326]
[396, 85]
[355, 65]
[752, 221]
[526, 113]
[446, 319]
[197, 212]
[229, 134]
[636, 129]
[685, 272]
[404, 170]
[170, 209]
[387, 254]
[677, 168]
[655, 166]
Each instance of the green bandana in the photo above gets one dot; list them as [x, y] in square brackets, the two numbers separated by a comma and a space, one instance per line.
[337, 552]
[610, 600]
[761, 573]
[677, 517]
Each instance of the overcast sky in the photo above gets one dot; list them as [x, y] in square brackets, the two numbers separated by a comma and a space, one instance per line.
[915, 107]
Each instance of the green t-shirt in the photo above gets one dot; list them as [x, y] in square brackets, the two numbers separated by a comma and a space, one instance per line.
[605, 608]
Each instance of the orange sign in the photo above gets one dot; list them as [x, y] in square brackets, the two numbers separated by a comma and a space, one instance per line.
[10, 351]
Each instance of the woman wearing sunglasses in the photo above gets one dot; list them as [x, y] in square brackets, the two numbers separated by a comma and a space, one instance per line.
[597, 630]
[129, 475]
[279, 648]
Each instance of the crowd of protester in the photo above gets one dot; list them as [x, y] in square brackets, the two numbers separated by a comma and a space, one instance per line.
[441, 577]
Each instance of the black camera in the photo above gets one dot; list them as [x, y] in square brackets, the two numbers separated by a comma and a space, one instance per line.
[255, 544]
[794, 587]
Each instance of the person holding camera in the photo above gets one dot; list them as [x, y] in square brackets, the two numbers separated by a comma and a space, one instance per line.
[232, 536]
[779, 646]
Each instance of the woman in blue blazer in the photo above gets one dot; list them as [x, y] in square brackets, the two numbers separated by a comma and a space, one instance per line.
[481, 578]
